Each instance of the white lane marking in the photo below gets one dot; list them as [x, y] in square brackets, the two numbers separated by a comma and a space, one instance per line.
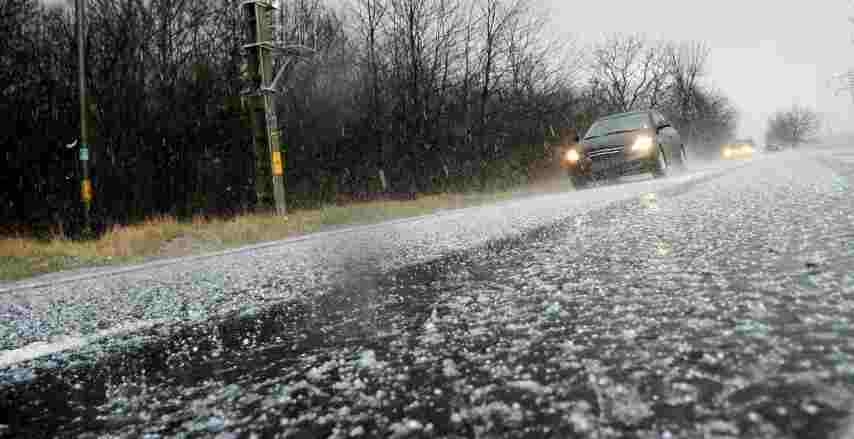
[36, 350]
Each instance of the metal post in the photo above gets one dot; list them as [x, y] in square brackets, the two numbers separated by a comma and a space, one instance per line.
[86, 183]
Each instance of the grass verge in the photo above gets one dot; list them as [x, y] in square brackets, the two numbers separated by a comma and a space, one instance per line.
[21, 258]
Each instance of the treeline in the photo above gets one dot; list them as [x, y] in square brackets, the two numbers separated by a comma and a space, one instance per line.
[793, 126]
[402, 96]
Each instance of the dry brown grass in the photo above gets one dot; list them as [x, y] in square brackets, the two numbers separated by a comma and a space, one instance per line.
[25, 257]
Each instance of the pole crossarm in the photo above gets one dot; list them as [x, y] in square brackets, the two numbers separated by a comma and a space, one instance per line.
[262, 44]
[263, 3]
[293, 53]
[298, 50]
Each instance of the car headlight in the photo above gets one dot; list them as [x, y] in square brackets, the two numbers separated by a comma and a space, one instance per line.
[572, 155]
[642, 144]
[727, 153]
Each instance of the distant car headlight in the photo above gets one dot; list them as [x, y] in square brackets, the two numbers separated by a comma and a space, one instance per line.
[727, 153]
[572, 155]
[642, 144]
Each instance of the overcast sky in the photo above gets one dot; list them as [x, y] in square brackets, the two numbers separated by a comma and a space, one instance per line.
[765, 54]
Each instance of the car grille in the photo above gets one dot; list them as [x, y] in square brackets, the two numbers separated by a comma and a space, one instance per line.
[606, 158]
[606, 151]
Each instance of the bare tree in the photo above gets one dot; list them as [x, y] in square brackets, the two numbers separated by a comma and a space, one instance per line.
[496, 17]
[422, 95]
[541, 70]
[443, 51]
[369, 15]
[686, 64]
[15, 41]
[794, 126]
[628, 72]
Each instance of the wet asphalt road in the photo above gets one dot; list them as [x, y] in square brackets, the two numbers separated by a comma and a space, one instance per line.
[714, 308]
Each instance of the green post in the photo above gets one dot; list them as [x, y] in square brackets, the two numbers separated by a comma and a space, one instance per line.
[86, 183]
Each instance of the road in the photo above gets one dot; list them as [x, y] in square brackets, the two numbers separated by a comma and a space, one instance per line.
[711, 305]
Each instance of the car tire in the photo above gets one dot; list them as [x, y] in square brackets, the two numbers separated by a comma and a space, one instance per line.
[579, 181]
[661, 166]
[683, 158]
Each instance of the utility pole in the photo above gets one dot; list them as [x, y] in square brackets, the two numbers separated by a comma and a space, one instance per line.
[86, 183]
[260, 100]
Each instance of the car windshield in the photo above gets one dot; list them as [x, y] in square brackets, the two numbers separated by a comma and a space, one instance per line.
[629, 122]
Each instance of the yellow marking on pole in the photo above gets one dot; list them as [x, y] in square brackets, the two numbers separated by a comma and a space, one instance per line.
[86, 190]
[275, 146]
[278, 168]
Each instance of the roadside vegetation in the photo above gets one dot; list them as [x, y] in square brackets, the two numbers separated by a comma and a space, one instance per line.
[162, 237]
[417, 97]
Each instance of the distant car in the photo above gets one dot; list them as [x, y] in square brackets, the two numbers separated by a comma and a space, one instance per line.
[773, 147]
[623, 144]
[738, 149]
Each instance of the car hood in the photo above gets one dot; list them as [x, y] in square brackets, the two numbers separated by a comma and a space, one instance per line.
[618, 139]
